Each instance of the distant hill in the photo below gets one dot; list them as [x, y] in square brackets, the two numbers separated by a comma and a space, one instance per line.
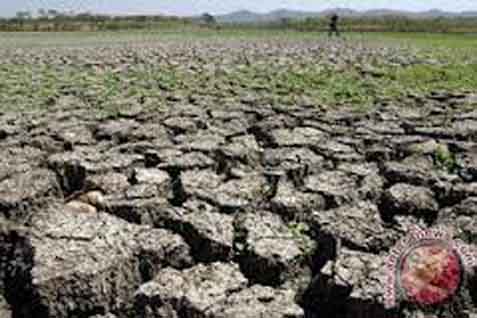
[245, 16]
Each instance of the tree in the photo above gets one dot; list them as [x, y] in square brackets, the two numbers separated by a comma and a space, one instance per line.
[42, 13]
[86, 16]
[209, 19]
[23, 15]
[285, 22]
[52, 13]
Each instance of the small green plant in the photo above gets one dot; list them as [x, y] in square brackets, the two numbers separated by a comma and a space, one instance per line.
[299, 231]
[445, 159]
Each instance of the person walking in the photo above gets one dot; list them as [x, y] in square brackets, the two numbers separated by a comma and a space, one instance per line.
[334, 25]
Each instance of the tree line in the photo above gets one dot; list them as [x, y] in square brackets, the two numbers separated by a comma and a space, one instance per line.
[383, 24]
[54, 20]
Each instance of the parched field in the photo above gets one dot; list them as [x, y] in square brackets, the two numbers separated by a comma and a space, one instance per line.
[106, 70]
[229, 174]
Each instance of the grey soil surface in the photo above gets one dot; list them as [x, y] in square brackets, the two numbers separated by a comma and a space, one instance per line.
[235, 210]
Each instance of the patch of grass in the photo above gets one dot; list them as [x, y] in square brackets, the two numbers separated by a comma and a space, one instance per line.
[425, 78]
[100, 89]
[288, 84]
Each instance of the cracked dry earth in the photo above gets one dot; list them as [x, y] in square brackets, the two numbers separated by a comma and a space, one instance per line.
[234, 210]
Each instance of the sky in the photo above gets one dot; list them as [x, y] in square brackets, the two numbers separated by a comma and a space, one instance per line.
[196, 7]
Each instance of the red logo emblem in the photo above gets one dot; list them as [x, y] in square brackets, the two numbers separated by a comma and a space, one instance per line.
[430, 273]
[427, 268]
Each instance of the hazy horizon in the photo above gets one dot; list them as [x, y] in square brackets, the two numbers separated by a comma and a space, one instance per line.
[196, 7]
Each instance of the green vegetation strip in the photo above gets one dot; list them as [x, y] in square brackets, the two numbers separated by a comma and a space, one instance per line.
[29, 86]
[34, 86]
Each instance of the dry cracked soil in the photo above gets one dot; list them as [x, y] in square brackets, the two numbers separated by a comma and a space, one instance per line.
[240, 209]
